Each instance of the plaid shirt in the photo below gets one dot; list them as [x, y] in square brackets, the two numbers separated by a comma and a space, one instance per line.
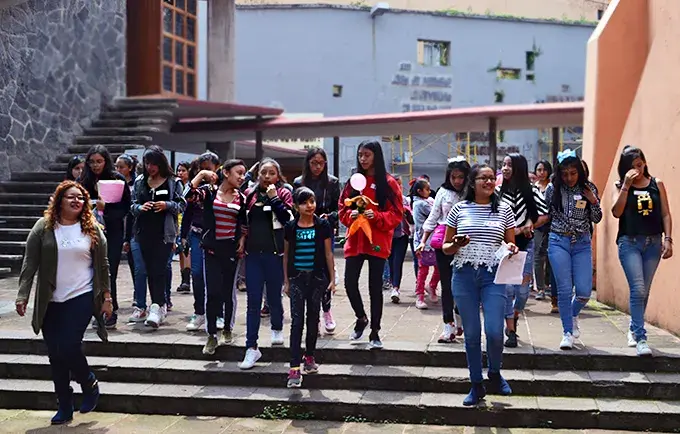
[570, 219]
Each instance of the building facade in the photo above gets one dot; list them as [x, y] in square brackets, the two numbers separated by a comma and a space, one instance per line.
[341, 61]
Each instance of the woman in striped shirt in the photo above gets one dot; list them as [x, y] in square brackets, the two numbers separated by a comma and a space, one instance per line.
[530, 211]
[224, 221]
[476, 229]
[574, 207]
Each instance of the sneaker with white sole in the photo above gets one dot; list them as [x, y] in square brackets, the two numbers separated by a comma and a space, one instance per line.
[448, 334]
[395, 295]
[632, 342]
[576, 330]
[138, 315]
[252, 356]
[155, 317]
[277, 337]
[220, 323]
[210, 346]
[196, 322]
[329, 322]
[567, 342]
[642, 349]
[386, 286]
[420, 302]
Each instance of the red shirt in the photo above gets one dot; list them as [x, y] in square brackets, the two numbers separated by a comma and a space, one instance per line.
[382, 226]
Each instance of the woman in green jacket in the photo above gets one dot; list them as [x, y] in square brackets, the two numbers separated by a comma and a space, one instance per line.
[67, 250]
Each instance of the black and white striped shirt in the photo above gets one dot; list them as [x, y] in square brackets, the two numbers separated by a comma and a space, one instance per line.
[515, 200]
[485, 229]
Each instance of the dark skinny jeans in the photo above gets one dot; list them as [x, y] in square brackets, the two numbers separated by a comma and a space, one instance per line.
[353, 266]
[220, 272]
[305, 289]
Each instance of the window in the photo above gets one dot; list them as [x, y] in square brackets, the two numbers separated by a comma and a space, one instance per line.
[433, 53]
[337, 90]
[179, 47]
[508, 73]
[600, 12]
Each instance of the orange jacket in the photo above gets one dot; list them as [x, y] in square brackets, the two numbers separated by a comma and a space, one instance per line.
[383, 225]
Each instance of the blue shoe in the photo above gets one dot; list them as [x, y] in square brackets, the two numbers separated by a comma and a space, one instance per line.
[90, 394]
[64, 410]
[477, 393]
[499, 384]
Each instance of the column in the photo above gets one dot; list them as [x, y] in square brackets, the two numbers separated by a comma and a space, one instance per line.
[221, 50]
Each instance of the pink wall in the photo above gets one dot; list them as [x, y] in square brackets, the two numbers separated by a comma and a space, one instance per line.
[649, 120]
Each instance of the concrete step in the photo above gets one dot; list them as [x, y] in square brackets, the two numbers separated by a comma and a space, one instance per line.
[13, 221]
[125, 131]
[22, 209]
[58, 167]
[11, 261]
[125, 104]
[26, 198]
[595, 384]
[115, 148]
[28, 186]
[131, 122]
[37, 176]
[5, 272]
[344, 353]
[12, 247]
[135, 114]
[113, 140]
[13, 234]
[375, 406]
[65, 158]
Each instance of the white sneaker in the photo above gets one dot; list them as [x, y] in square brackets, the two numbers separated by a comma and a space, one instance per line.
[420, 302]
[395, 295]
[632, 343]
[138, 315]
[576, 331]
[337, 277]
[197, 322]
[329, 323]
[643, 349]
[252, 356]
[567, 342]
[220, 323]
[277, 337]
[448, 334]
[155, 317]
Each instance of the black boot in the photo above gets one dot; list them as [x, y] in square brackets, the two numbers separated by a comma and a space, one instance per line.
[186, 280]
[65, 408]
[90, 394]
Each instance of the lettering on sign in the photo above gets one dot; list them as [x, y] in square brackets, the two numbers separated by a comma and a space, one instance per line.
[427, 92]
[560, 98]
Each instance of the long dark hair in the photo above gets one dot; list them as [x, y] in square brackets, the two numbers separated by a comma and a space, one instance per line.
[546, 166]
[78, 159]
[519, 181]
[628, 155]
[307, 172]
[418, 185]
[383, 192]
[88, 178]
[461, 165]
[470, 191]
[194, 168]
[568, 162]
[154, 155]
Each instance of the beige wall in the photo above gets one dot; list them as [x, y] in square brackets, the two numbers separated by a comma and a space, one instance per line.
[634, 52]
[559, 9]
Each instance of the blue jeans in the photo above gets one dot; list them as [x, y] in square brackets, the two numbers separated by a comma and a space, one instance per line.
[520, 293]
[197, 275]
[139, 273]
[471, 288]
[396, 259]
[263, 269]
[639, 258]
[571, 259]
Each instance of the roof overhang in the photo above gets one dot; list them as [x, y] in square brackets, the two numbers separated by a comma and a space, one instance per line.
[220, 111]
[473, 119]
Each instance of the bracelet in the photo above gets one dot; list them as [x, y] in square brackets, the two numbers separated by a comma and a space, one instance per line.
[625, 188]
[669, 239]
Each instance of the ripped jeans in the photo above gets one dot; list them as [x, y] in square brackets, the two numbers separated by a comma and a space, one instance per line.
[571, 259]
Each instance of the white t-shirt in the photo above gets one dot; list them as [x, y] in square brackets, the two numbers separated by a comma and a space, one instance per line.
[485, 228]
[74, 263]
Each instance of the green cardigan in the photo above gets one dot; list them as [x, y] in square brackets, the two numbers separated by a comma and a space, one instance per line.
[41, 258]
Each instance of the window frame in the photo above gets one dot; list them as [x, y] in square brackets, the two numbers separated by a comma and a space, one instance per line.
[183, 14]
[446, 45]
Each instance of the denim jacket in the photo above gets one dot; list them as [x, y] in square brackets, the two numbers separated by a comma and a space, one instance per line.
[174, 207]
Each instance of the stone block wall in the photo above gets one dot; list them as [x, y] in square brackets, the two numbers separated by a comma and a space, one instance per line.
[60, 60]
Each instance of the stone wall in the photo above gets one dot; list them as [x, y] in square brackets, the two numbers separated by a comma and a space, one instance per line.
[60, 60]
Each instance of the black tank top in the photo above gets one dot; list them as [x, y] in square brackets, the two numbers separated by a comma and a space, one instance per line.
[642, 215]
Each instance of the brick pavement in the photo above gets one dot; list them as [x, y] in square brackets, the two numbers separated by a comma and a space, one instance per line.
[403, 326]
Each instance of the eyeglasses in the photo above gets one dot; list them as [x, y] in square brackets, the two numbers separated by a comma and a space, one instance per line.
[78, 198]
[317, 163]
[485, 179]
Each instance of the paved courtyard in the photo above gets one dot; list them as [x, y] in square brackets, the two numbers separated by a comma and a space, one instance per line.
[403, 326]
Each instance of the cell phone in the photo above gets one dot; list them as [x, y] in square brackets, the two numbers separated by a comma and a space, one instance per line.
[459, 239]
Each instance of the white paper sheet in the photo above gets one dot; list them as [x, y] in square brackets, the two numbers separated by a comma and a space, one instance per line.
[511, 268]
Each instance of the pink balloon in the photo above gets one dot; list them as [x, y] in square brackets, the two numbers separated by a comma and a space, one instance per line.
[358, 182]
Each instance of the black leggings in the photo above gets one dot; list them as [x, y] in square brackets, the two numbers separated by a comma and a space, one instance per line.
[114, 244]
[353, 266]
[220, 272]
[155, 254]
[305, 289]
[445, 274]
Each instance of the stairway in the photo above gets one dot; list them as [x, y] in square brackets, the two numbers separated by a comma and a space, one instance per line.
[552, 389]
[121, 126]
